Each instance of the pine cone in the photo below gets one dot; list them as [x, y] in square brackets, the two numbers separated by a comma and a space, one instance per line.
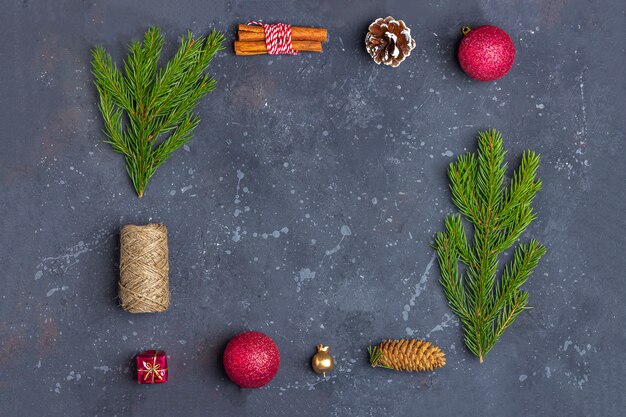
[389, 41]
[407, 355]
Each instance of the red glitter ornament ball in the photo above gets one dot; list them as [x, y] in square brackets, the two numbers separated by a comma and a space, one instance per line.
[251, 359]
[486, 53]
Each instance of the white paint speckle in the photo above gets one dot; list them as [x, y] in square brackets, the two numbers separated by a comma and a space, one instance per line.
[419, 287]
[52, 291]
[567, 345]
[236, 235]
[548, 372]
[446, 321]
[305, 275]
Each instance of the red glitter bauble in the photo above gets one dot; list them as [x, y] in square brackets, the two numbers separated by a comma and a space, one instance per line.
[486, 53]
[251, 359]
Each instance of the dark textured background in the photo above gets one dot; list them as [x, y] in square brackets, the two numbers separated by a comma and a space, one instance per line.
[304, 207]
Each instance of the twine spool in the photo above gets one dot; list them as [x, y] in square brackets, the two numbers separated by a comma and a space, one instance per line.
[144, 286]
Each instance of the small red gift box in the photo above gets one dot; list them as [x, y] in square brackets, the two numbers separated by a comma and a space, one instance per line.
[152, 367]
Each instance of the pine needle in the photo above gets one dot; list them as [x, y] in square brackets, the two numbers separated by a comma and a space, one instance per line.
[148, 113]
[485, 306]
[375, 356]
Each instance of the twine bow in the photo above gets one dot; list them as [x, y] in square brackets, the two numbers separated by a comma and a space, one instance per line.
[277, 38]
[152, 370]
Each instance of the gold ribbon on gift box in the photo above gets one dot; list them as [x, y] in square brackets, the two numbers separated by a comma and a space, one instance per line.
[152, 370]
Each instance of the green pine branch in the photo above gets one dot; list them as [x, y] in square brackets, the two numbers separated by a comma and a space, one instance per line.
[375, 356]
[148, 113]
[499, 215]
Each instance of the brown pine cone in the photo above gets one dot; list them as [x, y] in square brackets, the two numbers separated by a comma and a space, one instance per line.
[389, 41]
[407, 355]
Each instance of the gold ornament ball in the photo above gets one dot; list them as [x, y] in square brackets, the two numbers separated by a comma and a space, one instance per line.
[322, 362]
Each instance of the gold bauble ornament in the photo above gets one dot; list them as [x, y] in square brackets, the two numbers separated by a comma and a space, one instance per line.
[322, 362]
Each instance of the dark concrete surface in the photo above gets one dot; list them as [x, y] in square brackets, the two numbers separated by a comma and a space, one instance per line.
[304, 207]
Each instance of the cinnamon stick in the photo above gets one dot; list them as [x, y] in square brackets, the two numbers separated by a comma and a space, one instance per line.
[248, 33]
[258, 48]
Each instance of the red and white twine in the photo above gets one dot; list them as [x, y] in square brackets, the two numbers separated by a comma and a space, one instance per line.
[277, 38]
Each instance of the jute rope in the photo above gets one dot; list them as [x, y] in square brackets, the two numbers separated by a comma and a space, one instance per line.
[143, 286]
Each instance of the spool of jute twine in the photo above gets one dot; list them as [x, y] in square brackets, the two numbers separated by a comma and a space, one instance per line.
[144, 286]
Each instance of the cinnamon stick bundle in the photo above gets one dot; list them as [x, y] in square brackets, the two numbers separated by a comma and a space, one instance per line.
[252, 39]
[258, 48]
[248, 33]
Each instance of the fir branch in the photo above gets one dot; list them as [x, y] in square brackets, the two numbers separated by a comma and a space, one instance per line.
[499, 215]
[149, 113]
